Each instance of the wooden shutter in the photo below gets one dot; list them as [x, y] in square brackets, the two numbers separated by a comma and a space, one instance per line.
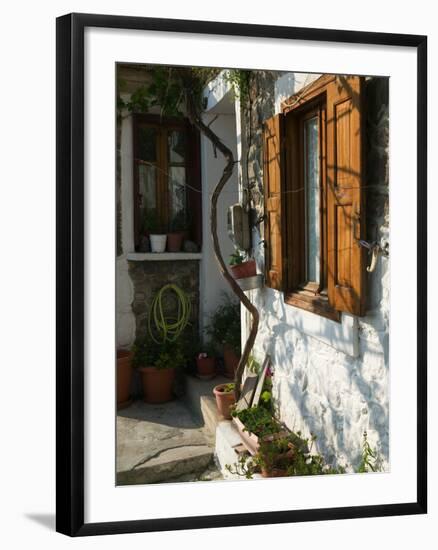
[272, 182]
[345, 196]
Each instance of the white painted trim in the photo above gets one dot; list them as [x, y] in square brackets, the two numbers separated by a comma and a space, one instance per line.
[162, 256]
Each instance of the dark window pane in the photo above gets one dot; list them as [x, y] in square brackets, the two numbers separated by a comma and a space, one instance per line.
[176, 142]
[147, 143]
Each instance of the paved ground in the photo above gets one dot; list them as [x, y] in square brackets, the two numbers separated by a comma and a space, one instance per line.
[162, 443]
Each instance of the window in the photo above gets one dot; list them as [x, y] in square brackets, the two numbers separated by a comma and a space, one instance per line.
[167, 188]
[314, 198]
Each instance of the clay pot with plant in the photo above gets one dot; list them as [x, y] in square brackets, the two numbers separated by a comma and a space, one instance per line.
[224, 331]
[241, 269]
[206, 362]
[124, 377]
[178, 232]
[225, 399]
[157, 363]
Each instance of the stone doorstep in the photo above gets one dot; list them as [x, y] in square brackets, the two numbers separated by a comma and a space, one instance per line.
[171, 463]
[201, 401]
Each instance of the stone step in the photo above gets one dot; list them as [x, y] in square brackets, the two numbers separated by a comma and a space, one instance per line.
[158, 443]
[169, 464]
[201, 401]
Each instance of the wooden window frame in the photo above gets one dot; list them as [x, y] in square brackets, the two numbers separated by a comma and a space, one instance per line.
[298, 291]
[193, 172]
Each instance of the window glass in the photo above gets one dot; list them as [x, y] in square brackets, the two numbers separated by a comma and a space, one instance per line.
[177, 189]
[147, 186]
[147, 146]
[312, 194]
[176, 144]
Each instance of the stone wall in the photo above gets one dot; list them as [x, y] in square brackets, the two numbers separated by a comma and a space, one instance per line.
[318, 386]
[149, 277]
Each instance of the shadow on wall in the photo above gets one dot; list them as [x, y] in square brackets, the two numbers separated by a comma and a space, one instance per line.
[323, 391]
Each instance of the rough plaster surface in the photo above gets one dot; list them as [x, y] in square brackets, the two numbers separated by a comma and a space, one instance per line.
[322, 384]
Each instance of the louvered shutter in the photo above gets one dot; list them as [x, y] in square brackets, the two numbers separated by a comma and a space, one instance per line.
[272, 181]
[345, 196]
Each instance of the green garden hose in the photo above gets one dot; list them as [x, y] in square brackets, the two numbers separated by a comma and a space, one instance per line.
[168, 328]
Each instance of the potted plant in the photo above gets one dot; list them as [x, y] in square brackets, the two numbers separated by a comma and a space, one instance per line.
[275, 456]
[154, 229]
[178, 231]
[241, 269]
[225, 399]
[124, 376]
[157, 364]
[256, 424]
[224, 331]
[206, 362]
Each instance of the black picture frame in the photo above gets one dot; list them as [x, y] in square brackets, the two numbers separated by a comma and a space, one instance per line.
[70, 273]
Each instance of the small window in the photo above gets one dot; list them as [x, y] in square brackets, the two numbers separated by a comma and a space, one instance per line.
[167, 190]
[314, 200]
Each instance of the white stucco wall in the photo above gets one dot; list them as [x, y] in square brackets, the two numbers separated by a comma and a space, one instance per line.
[221, 115]
[125, 319]
[331, 379]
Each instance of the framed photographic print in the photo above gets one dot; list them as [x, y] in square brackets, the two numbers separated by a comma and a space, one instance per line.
[241, 274]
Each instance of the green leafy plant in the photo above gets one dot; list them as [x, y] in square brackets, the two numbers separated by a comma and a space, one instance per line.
[228, 388]
[259, 421]
[240, 80]
[151, 222]
[370, 460]
[289, 455]
[236, 258]
[179, 222]
[165, 355]
[224, 326]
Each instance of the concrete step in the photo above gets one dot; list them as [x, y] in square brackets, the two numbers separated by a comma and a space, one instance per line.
[170, 464]
[201, 401]
[158, 443]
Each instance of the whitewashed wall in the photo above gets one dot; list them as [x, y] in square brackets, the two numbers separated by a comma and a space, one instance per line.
[331, 379]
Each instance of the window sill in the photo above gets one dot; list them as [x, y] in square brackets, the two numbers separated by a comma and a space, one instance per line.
[315, 304]
[162, 256]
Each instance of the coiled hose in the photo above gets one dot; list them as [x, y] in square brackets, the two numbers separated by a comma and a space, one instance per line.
[168, 328]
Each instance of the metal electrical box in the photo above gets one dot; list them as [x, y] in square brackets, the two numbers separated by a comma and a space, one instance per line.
[238, 227]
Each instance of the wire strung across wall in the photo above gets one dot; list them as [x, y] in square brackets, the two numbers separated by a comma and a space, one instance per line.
[175, 182]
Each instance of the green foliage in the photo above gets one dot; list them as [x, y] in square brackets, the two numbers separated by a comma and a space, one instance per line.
[236, 258]
[166, 355]
[151, 222]
[369, 457]
[290, 454]
[179, 222]
[224, 326]
[259, 421]
[240, 80]
[167, 89]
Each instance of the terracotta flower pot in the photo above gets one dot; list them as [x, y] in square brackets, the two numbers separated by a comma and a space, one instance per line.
[206, 367]
[124, 376]
[231, 360]
[243, 270]
[157, 384]
[174, 241]
[224, 400]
